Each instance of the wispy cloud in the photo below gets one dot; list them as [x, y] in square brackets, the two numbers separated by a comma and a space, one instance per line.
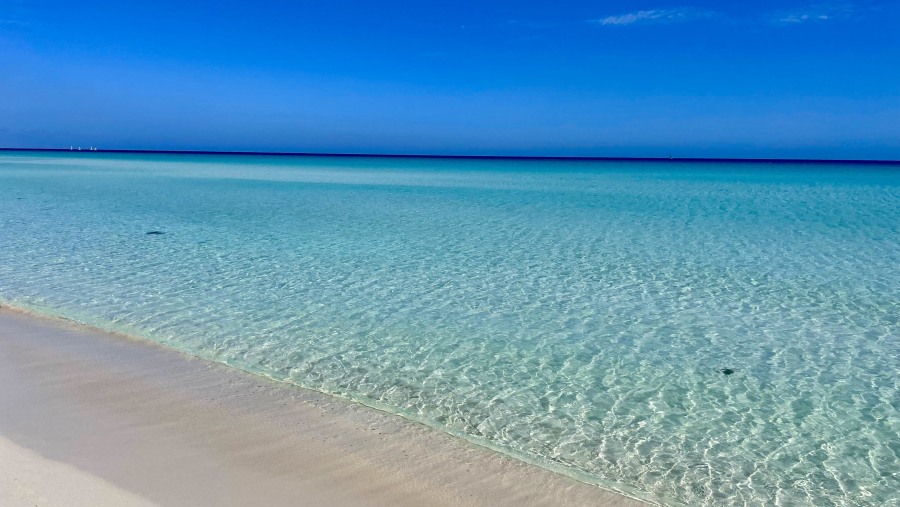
[654, 16]
[816, 13]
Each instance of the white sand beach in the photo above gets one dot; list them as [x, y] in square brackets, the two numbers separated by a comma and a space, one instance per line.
[88, 418]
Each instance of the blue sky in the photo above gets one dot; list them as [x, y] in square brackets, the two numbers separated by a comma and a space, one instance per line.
[631, 78]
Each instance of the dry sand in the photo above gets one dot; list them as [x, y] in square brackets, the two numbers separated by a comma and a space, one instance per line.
[88, 418]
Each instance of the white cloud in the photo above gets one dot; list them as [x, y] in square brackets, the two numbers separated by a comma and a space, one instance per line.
[802, 18]
[816, 12]
[654, 16]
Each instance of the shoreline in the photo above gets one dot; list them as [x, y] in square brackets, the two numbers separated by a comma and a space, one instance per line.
[151, 423]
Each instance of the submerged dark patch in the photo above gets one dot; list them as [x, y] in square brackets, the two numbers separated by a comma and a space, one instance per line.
[155, 233]
[727, 371]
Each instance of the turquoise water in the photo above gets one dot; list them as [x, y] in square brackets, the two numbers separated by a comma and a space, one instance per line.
[578, 315]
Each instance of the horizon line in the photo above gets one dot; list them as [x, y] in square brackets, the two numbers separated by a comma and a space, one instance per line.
[475, 157]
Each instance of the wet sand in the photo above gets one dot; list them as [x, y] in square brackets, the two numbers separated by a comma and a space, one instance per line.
[89, 418]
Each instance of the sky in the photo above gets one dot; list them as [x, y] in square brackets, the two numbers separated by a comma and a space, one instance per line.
[757, 79]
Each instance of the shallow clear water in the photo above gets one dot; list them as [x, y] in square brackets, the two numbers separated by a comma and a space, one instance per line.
[574, 314]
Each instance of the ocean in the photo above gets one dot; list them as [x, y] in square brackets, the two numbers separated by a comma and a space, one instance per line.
[691, 333]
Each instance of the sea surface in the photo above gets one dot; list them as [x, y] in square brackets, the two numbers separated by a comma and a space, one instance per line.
[695, 334]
